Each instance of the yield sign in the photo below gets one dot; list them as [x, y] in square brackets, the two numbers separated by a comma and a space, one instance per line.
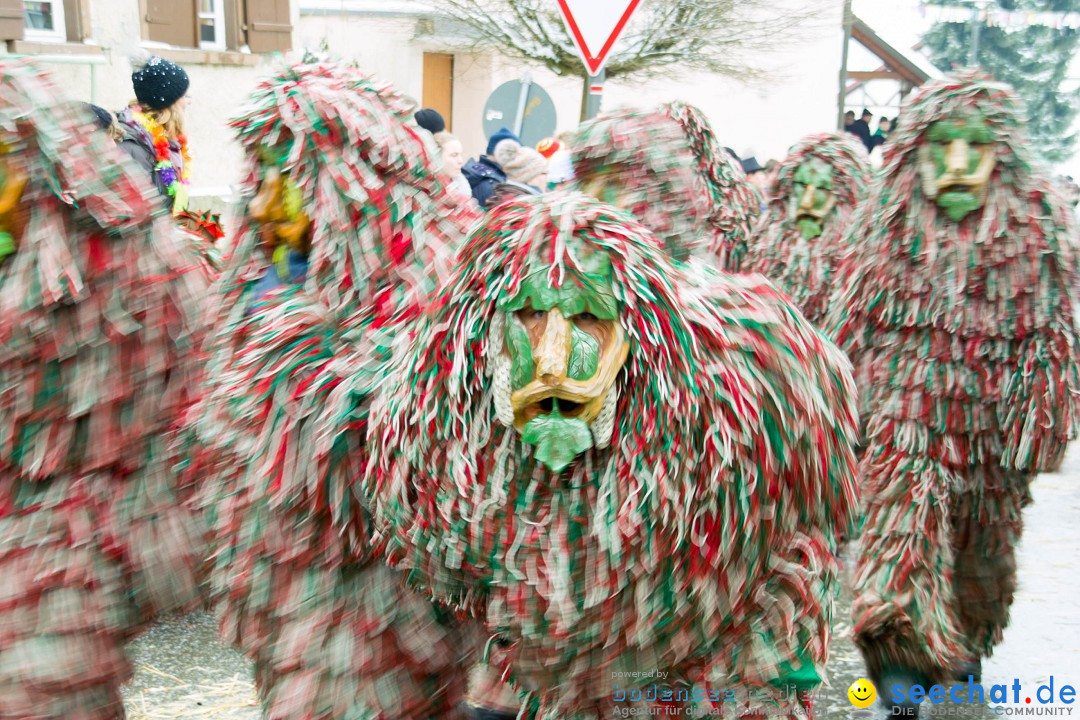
[595, 25]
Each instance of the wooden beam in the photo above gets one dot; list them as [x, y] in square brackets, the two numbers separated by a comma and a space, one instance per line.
[904, 68]
[844, 92]
[864, 75]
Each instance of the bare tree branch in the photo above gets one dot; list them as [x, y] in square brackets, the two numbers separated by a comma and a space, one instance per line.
[666, 36]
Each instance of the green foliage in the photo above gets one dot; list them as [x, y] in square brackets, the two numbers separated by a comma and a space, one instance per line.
[1034, 60]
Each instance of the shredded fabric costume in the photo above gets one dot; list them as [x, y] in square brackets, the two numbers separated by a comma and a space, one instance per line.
[681, 517]
[797, 242]
[671, 173]
[100, 307]
[334, 633]
[204, 231]
[957, 308]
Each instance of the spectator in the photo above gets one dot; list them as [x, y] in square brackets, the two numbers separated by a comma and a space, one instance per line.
[882, 134]
[453, 161]
[485, 172]
[861, 129]
[549, 146]
[502, 134]
[849, 120]
[560, 169]
[153, 126]
[521, 164]
[430, 120]
[755, 173]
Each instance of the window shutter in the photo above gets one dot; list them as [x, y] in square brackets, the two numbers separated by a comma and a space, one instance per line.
[234, 25]
[78, 26]
[269, 26]
[172, 22]
[12, 20]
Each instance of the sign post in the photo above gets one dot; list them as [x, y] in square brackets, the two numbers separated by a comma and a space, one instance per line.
[523, 97]
[596, 91]
[594, 27]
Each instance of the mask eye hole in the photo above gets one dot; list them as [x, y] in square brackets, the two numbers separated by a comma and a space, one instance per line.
[533, 320]
[585, 317]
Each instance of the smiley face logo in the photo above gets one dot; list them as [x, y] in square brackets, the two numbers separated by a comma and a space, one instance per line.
[862, 693]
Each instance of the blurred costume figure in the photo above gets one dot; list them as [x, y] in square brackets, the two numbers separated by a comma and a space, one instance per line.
[814, 192]
[668, 170]
[340, 178]
[100, 307]
[576, 432]
[204, 230]
[956, 306]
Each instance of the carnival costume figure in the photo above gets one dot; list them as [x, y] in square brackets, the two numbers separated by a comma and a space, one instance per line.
[615, 468]
[957, 308]
[100, 315]
[798, 241]
[346, 228]
[667, 169]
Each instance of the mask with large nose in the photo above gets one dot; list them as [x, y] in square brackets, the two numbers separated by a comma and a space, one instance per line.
[812, 196]
[956, 161]
[562, 352]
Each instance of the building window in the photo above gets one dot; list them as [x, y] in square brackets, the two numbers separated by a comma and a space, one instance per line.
[262, 25]
[45, 20]
[212, 24]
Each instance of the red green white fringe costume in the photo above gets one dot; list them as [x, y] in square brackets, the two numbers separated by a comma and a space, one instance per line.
[804, 268]
[963, 334]
[334, 633]
[678, 180]
[100, 308]
[697, 537]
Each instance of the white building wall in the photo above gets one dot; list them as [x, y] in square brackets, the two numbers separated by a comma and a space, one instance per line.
[797, 98]
[381, 44]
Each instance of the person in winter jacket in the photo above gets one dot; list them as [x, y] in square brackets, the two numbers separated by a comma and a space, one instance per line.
[153, 126]
[483, 175]
[522, 164]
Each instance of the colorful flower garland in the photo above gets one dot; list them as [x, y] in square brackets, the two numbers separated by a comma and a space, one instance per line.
[163, 156]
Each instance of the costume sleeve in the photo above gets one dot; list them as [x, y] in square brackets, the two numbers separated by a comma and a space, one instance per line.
[796, 466]
[1038, 413]
[290, 411]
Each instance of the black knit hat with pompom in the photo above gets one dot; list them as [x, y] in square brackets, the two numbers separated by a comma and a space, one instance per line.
[159, 83]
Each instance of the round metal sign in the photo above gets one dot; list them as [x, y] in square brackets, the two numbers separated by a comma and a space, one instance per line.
[522, 106]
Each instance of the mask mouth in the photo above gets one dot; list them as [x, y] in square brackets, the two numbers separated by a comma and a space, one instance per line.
[547, 406]
[811, 217]
[958, 187]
